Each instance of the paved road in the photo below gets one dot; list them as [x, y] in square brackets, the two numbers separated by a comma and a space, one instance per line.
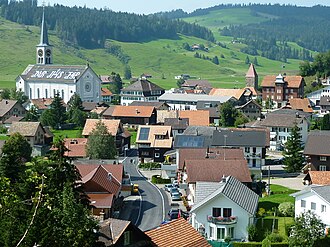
[146, 211]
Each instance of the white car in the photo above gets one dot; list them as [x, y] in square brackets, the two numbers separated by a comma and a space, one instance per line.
[168, 187]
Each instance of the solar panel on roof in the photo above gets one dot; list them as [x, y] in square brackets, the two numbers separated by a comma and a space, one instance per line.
[144, 134]
[190, 141]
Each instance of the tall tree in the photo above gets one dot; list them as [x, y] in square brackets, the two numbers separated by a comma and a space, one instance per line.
[247, 60]
[325, 122]
[101, 144]
[306, 230]
[32, 114]
[228, 114]
[293, 156]
[56, 115]
[15, 152]
[127, 72]
[75, 112]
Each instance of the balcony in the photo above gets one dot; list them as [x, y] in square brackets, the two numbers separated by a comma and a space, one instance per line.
[222, 220]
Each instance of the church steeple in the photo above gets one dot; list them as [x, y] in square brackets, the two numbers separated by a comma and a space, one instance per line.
[44, 49]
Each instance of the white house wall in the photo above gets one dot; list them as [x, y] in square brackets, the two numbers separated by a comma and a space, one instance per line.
[240, 228]
[310, 197]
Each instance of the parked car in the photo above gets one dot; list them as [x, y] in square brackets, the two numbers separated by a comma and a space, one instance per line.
[176, 196]
[174, 189]
[175, 183]
[168, 187]
[174, 214]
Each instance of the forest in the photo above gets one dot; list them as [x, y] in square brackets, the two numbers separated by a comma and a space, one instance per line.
[90, 28]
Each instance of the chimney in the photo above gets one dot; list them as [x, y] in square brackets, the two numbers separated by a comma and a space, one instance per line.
[6, 102]
[223, 179]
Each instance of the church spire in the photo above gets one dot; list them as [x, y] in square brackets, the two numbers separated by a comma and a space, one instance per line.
[44, 34]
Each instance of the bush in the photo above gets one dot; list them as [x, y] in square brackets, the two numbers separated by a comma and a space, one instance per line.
[258, 244]
[3, 129]
[252, 231]
[286, 209]
[275, 237]
[266, 243]
[150, 165]
[156, 179]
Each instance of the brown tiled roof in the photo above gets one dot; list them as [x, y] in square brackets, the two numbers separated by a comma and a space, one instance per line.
[129, 111]
[88, 106]
[151, 103]
[99, 109]
[177, 123]
[318, 143]
[115, 169]
[320, 177]
[103, 200]
[105, 92]
[236, 93]
[24, 128]
[300, 104]
[292, 81]
[280, 120]
[195, 83]
[114, 232]
[253, 90]
[12, 119]
[153, 131]
[324, 101]
[177, 233]
[105, 79]
[112, 125]
[44, 103]
[76, 147]
[210, 170]
[251, 72]
[162, 114]
[196, 118]
[214, 153]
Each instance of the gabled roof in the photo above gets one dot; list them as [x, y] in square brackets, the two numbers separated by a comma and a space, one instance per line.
[325, 101]
[101, 179]
[25, 128]
[112, 126]
[143, 86]
[195, 83]
[6, 105]
[236, 93]
[101, 200]
[199, 130]
[129, 111]
[177, 233]
[105, 92]
[212, 170]
[292, 81]
[44, 103]
[197, 117]
[248, 103]
[191, 141]
[177, 123]
[321, 191]
[147, 134]
[208, 153]
[76, 147]
[231, 188]
[318, 143]
[12, 119]
[300, 104]
[319, 177]
[155, 104]
[251, 72]
[163, 114]
[240, 137]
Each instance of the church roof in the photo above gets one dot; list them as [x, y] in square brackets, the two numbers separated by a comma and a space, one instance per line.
[252, 71]
[54, 73]
[44, 34]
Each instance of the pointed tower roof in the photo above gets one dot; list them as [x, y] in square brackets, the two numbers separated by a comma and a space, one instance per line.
[44, 34]
[251, 72]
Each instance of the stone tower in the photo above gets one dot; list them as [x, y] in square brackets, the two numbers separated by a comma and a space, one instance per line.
[251, 77]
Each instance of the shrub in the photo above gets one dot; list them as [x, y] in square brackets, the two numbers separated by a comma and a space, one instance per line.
[286, 209]
[252, 231]
[150, 165]
[156, 179]
[261, 212]
[3, 129]
[275, 237]
[266, 243]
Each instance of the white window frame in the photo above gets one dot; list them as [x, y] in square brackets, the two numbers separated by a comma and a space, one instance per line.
[323, 158]
[323, 208]
[322, 168]
[313, 206]
[303, 203]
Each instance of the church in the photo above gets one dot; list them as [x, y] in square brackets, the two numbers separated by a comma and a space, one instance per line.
[45, 80]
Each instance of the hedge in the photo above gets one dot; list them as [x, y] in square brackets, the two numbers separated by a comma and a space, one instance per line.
[150, 165]
[156, 179]
[257, 244]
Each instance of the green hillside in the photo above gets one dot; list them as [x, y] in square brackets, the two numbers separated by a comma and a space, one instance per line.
[161, 58]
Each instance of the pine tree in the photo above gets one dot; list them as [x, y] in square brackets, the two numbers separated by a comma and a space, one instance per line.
[228, 114]
[75, 113]
[293, 156]
[247, 60]
[325, 122]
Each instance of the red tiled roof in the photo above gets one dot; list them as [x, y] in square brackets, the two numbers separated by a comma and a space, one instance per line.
[236, 93]
[300, 104]
[129, 111]
[101, 200]
[177, 233]
[105, 92]
[209, 170]
[293, 81]
[76, 147]
[320, 177]
[214, 153]
[196, 118]
[112, 126]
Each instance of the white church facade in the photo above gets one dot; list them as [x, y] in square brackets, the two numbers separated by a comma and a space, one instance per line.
[45, 80]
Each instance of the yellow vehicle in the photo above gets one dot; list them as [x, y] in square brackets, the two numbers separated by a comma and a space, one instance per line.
[135, 189]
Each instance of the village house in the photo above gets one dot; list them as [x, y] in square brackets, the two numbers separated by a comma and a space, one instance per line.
[141, 90]
[178, 125]
[317, 178]
[76, 147]
[224, 209]
[315, 199]
[39, 137]
[106, 94]
[177, 233]
[153, 141]
[41, 104]
[299, 104]
[196, 84]
[241, 95]
[250, 109]
[132, 115]
[117, 233]
[317, 150]
[11, 108]
[280, 123]
[279, 89]
[315, 99]
[102, 183]
[115, 127]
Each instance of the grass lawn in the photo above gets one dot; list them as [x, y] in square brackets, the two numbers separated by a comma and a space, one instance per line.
[75, 133]
[265, 225]
[279, 194]
[3, 137]
[133, 136]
